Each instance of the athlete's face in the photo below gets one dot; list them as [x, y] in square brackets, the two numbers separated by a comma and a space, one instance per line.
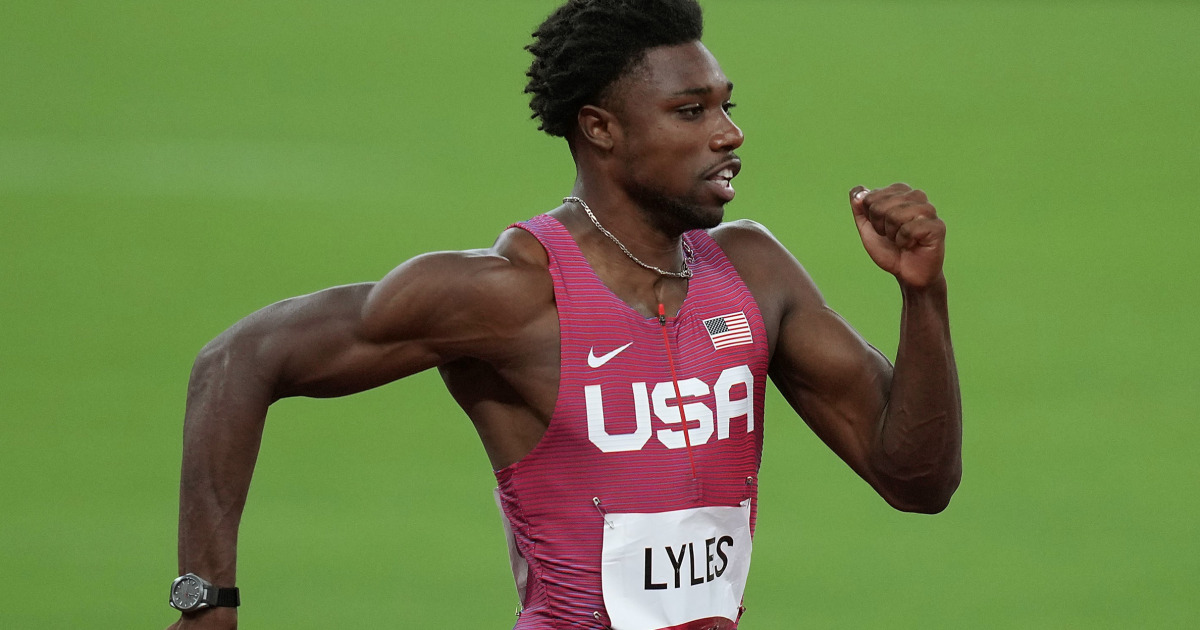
[676, 138]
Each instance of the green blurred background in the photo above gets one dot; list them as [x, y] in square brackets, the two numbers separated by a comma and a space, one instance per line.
[167, 167]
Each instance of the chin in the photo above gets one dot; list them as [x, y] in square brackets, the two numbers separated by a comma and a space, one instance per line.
[708, 218]
[696, 215]
[680, 214]
[683, 215]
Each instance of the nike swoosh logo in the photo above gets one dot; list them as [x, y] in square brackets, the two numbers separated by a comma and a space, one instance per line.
[597, 361]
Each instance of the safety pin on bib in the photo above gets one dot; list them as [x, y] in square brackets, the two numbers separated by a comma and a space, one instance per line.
[603, 514]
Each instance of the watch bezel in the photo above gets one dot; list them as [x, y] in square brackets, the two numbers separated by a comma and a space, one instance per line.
[202, 598]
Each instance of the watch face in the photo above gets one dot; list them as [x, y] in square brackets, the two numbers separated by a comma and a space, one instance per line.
[186, 592]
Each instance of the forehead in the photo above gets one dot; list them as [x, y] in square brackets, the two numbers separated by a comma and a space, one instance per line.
[671, 70]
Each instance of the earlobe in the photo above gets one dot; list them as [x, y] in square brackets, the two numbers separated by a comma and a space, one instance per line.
[597, 126]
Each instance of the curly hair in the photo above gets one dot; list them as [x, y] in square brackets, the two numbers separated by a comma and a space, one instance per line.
[586, 45]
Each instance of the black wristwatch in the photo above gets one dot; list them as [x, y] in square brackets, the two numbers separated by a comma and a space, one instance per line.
[191, 592]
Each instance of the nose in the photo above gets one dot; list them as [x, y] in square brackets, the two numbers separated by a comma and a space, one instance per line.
[728, 137]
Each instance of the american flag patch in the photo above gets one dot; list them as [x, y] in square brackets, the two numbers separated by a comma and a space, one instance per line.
[729, 330]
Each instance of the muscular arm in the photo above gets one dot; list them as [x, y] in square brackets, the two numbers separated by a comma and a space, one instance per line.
[920, 435]
[431, 310]
[898, 427]
[917, 457]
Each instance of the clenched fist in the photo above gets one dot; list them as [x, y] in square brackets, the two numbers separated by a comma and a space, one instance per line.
[901, 232]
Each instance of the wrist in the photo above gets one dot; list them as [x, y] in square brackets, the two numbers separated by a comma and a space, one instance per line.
[936, 286]
[192, 593]
[223, 618]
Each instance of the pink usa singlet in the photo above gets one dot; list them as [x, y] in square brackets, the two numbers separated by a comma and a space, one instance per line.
[615, 443]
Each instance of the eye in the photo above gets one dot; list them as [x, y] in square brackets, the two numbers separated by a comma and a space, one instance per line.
[691, 112]
[728, 106]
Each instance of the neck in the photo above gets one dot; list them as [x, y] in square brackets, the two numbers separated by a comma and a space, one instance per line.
[668, 257]
[621, 212]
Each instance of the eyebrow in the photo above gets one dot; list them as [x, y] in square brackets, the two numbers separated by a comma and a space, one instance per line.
[700, 91]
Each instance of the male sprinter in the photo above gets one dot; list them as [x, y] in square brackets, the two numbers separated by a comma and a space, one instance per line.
[612, 354]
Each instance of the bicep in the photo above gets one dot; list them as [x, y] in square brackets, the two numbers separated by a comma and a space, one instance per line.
[829, 374]
[834, 379]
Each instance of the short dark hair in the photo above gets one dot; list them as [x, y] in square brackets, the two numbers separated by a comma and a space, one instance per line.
[586, 45]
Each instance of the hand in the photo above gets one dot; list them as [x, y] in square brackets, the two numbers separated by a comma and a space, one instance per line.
[207, 619]
[901, 232]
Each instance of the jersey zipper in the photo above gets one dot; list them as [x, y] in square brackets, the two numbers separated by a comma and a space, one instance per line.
[687, 440]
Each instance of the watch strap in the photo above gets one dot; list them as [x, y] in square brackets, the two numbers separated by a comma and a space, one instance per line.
[227, 597]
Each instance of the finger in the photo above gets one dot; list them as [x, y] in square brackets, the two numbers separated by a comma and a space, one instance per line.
[871, 208]
[858, 205]
[901, 212]
[858, 196]
[881, 250]
[921, 232]
[897, 193]
[899, 188]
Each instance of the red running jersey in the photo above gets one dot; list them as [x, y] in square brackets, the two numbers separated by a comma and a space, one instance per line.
[615, 443]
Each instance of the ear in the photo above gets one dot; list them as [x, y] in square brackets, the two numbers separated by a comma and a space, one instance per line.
[598, 127]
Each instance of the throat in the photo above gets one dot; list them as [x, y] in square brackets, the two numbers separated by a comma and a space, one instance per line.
[684, 270]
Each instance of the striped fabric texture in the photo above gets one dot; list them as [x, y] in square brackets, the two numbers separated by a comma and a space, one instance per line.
[614, 444]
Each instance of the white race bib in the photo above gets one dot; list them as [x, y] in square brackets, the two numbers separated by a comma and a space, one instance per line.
[662, 570]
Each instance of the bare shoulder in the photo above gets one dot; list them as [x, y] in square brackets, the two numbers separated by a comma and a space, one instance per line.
[774, 275]
[462, 297]
[741, 229]
[752, 247]
[811, 346]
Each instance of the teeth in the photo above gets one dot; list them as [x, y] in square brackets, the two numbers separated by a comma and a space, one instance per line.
[722, 175]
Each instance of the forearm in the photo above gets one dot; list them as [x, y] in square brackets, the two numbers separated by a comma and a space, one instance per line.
[228, 395]
[917, 455]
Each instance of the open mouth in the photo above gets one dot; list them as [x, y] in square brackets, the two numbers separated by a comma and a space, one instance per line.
[722, 182]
